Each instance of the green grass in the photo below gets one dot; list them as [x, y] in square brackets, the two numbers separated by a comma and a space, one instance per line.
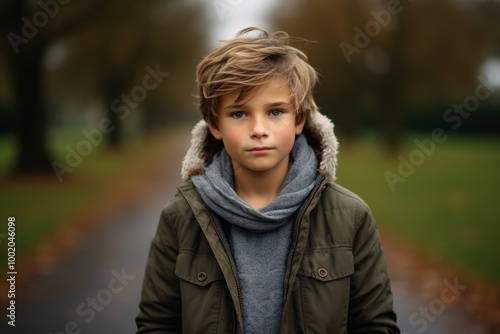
[42, 205]
[448, 206]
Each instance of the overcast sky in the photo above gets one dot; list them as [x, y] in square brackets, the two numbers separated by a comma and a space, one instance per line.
[230, 16]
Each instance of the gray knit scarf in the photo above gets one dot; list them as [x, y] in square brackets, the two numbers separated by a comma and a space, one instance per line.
[259, 240]
[216, 189]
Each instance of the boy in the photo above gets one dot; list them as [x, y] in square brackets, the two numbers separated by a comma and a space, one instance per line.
[259, 239]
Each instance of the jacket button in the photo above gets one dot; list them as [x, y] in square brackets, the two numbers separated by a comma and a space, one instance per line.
[322, 272]
[202, 276]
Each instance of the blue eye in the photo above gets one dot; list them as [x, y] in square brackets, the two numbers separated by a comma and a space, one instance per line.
[276, 112]
[237, 115]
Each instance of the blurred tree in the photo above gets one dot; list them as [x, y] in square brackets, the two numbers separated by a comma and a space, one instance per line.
[179, 31]
[489, 15]
[127, 45]
[107, 48]
[30, 29]
[121, 42]
[381, 56]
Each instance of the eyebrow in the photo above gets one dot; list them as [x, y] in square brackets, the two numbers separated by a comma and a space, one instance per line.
[267, 105]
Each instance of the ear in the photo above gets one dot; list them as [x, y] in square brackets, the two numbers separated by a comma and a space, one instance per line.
[214, 131]
[299, 126]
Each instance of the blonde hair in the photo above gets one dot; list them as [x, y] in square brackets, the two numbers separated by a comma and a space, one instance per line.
[245, 63]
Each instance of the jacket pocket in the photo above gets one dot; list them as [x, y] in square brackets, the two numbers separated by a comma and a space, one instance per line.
[327, 263]
[198, 268]
[324, 288]
[202, 288]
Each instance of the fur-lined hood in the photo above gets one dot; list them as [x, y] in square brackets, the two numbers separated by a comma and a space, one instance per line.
[318, 130]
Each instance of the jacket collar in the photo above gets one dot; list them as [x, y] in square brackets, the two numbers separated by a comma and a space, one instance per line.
[318, 130]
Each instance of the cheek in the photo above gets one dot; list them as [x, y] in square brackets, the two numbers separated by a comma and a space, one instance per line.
[286, 137]
[232, 141]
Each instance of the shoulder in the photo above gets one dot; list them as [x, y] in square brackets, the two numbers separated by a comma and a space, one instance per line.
[342, 210]
[178, 204]
[178, 211]
[336, 197]
[183, 217]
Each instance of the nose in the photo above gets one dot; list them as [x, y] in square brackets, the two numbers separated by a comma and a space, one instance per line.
[258, 128]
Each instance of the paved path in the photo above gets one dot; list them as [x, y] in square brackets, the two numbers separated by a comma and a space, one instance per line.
[97, 289]
[108, 266]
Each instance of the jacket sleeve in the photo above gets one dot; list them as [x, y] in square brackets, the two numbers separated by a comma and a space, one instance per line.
[371, 304]
[160, 306]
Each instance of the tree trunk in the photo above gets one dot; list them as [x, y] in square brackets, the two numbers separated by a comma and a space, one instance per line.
[33, 156]
[26, 73]
[392, 90]
[113, 89]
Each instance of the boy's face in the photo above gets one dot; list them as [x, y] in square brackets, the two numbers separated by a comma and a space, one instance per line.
[259, 132]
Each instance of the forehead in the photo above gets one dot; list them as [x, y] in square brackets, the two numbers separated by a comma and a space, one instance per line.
[274, 91]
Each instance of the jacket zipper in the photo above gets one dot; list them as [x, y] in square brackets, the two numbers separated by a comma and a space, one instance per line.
[233, 269]
[235, 317]
[292, 253]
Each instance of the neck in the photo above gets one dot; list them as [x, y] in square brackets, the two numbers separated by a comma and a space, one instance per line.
[258, 189]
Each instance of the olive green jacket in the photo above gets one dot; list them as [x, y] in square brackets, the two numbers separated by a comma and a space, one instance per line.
[336, 279]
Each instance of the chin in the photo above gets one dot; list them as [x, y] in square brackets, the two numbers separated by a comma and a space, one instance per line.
[262, 168]
[255, 169]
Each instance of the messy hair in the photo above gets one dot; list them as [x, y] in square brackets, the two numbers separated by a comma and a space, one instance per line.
[246, 62]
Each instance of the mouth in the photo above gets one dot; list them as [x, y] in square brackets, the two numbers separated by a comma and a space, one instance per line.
[260, 149]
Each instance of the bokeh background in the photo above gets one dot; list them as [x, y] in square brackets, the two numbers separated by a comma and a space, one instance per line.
[96, 106]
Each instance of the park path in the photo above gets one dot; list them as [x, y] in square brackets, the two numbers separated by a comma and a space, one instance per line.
[109, 265]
